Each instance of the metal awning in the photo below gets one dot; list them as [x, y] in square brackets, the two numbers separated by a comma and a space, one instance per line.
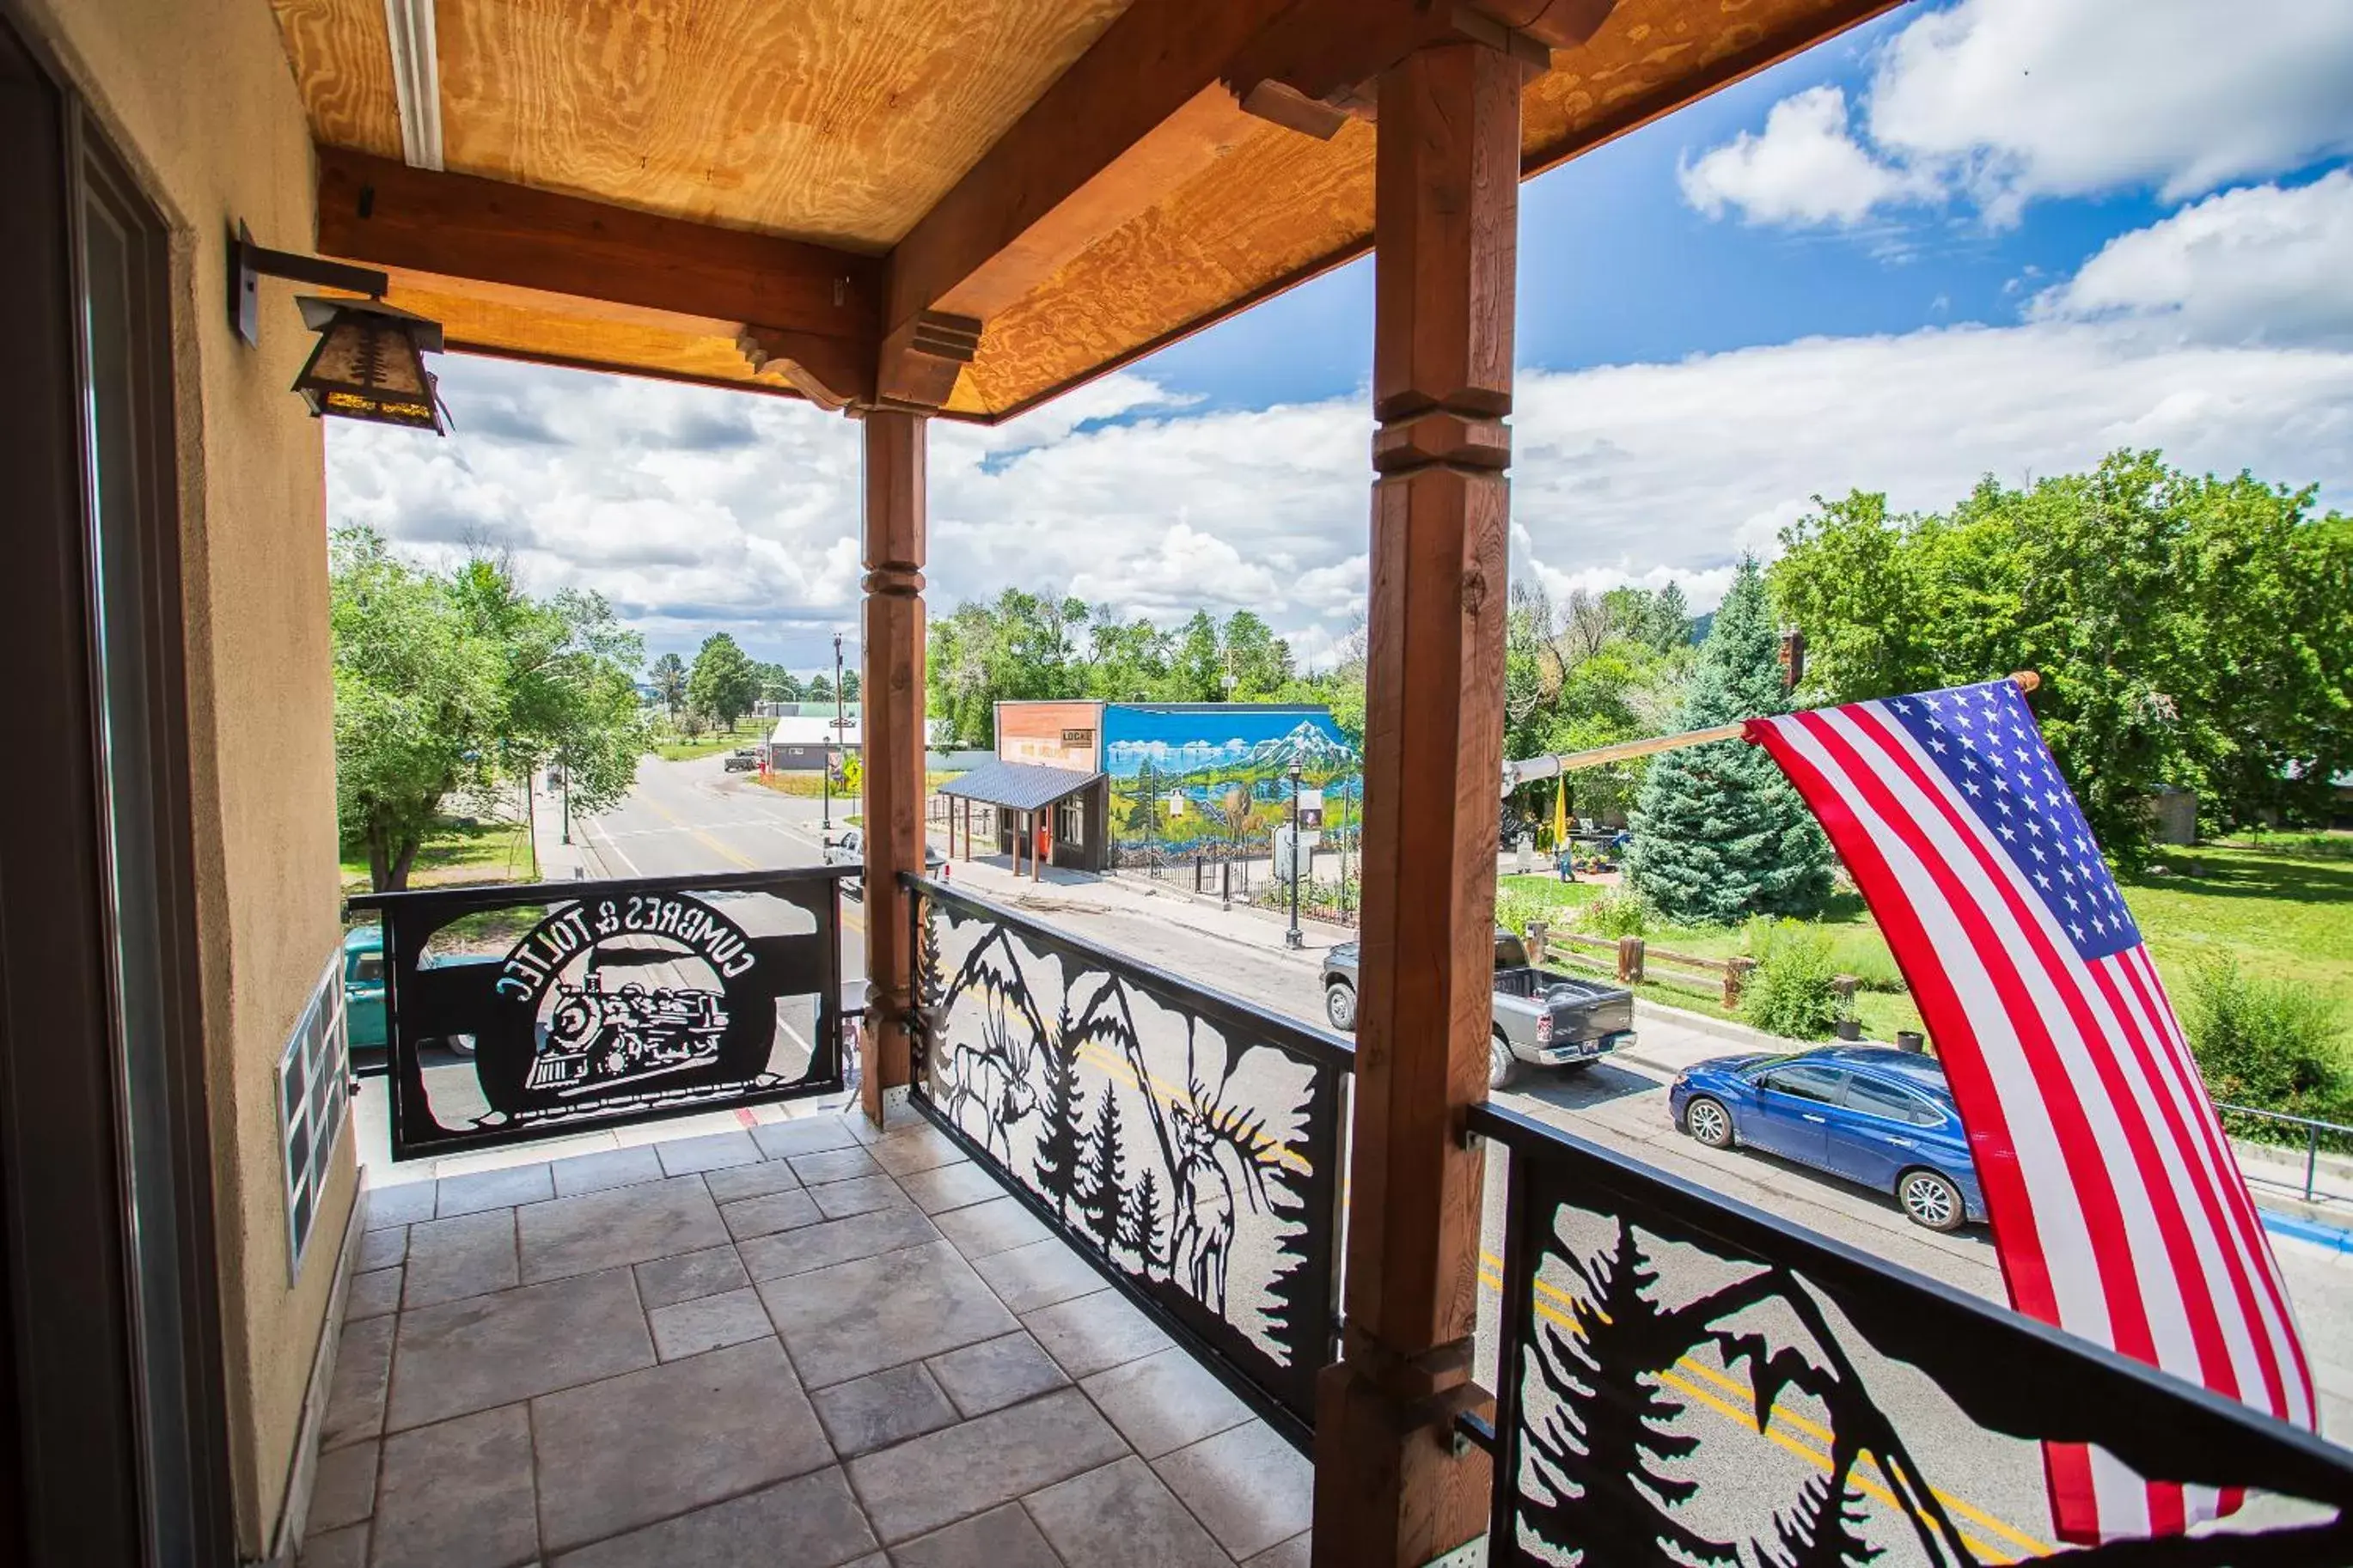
[1018, 787]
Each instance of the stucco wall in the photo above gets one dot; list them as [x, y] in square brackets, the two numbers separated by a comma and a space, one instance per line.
[197, 95]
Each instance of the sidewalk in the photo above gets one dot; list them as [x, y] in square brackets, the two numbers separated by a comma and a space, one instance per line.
[559, 861]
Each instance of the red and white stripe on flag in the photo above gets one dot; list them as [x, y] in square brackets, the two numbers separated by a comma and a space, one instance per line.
[2119, 1211]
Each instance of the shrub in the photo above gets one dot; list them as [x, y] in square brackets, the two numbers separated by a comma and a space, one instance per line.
[2267, 1044]
[1515, 910]
[1789, 993]
[1620, 911]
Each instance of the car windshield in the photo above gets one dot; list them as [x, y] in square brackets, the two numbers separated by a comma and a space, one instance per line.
[367, 968]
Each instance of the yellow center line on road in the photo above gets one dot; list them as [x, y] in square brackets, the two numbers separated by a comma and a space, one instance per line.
[854, 921]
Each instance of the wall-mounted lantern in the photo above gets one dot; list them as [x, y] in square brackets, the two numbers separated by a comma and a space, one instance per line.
[370, 363]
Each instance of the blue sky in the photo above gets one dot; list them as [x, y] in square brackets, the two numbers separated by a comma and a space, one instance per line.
[1973, 237]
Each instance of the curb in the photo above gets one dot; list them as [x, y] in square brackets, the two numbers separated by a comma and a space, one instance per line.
[2296, 1223]
[1723, 1029]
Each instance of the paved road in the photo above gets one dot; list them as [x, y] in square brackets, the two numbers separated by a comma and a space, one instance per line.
[693, 817]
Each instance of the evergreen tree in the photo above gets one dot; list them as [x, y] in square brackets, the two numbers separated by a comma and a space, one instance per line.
[1057, 1164]
[1719, 835]
[1102, 1176]
[1297, 1310]
[1139, 1227]
[1598, 1452]
[1825, 1530]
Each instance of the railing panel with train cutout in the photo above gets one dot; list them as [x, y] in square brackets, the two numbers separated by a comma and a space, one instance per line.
[1680, 1378]
[515, 1013]
[1187, 1145]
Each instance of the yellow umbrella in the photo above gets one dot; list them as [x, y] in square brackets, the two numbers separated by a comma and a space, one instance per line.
[1560, 817]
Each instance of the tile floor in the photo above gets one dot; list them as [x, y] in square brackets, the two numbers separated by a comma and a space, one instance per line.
[801, 1342]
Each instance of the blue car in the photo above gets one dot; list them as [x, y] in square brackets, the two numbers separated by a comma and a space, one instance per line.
[1880, 1117]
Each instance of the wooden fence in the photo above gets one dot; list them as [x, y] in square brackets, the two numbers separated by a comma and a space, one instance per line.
[1633, 961]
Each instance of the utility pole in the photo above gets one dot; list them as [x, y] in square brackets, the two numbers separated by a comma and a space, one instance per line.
[566, 763]
[1292, 938]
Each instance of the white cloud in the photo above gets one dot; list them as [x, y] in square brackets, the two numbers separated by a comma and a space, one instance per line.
[2007, 100]
[2258, 264]
[1805, 167]
[1644, 473]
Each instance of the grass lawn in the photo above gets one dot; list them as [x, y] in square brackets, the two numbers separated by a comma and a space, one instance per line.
[481, 852]
[811, 784]
[713, 742]
[2284, 911]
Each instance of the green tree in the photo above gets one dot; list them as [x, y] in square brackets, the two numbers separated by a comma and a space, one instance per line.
[1258, 660]
[850, 686]
[818, 689]
[1719, 835]
[669, 678]
[724, 683]
[1196, 667]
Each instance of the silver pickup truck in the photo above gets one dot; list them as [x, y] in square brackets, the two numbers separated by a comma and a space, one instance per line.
[1541, 1017]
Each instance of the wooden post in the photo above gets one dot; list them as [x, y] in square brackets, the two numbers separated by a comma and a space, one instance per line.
[1629, 961]
[1392, 1487]
[1736, 977]
[891, 689]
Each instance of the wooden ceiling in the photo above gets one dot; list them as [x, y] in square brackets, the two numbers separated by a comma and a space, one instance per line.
[1075, 176]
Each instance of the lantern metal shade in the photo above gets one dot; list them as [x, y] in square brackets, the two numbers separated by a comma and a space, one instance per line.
[370, 363]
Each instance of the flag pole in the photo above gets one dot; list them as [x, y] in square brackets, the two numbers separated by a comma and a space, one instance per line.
[1538, 768]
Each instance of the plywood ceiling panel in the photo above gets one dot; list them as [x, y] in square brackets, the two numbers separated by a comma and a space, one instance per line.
[838, 121]
[500, 325]
[341, 56]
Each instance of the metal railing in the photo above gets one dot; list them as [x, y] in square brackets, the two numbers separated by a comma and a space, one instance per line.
[1189, 1145]
[1636, 1308]
[2314, 1130]
[523, 1012]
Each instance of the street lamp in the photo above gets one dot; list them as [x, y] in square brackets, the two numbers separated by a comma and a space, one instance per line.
[1292, 938]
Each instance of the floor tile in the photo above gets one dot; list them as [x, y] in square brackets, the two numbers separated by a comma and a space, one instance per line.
[689, 1275]
[627, 1224]
[765, 1216]
[842, 1241]
[1119, 1515]
[999, 1225]
[1002, 1538]
[997, 1373]
[1249, 1487]
[1089, 1334]
[1291, 1553]
[343, 1487]
[1165, 1400]
[855, 1317]
[737, 1182]
[1038, 1275]
[834, 1166]
[449, 1260]
[385, 1249]
[864, 1195]
[882, 1409]
[952, 1187]
[713, 1152]
[457, 1495]
[398, 1203]
[922, 1148]
[355, 1398]
[372, 1294]
[334, 1548]
[492, 1190]
[810, 1135]
[641, 1447]
[707, 1323]
[812, 1521]
[606, 1169]
[920, 1485]
[495, 1350]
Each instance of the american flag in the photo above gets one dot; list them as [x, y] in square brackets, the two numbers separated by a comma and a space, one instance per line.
[2119, 1211]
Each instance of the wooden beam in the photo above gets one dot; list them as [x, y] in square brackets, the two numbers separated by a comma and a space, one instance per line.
[380, 211]
[1390, 1487]
[890, 689]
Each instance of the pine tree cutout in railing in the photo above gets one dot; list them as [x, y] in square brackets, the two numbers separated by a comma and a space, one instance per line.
[1598, 1454]
[1825, 1530]
[1056, 1164]
[1296, 1316]
[1103, 1174]
[1139, 1228]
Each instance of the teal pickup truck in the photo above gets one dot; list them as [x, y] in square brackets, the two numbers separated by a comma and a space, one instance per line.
[366, 1026]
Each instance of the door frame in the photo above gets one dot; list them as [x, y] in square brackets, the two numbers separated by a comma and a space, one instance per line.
[76, 1444]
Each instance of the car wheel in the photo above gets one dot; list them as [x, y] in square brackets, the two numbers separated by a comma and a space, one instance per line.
[1707, 1120]
[1930, 1200]
[461, 1044]
[1340, 1005]
[1502, 1066]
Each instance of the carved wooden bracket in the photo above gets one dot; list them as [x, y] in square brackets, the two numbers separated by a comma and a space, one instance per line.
[921, 360]
[829, 372]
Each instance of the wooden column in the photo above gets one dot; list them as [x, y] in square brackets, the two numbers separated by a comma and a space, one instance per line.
[892, 690]
[1390, 1487]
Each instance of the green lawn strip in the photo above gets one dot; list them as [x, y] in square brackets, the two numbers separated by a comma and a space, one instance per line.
[810, 784]
[711, 745]
[455, 854]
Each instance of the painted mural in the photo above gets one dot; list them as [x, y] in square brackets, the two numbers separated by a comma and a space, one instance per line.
[1195, 779]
